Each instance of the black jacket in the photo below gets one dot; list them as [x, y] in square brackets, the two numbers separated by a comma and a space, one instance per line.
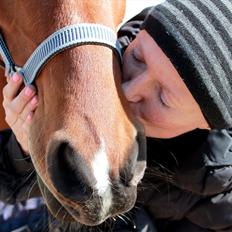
[189, 182]
[17, 174]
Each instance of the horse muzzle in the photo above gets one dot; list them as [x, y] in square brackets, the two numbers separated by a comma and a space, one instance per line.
[88, 192]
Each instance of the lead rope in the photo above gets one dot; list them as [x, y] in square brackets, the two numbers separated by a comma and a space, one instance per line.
[67, 37]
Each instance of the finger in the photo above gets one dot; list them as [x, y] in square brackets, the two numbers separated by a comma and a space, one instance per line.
[29, 108]
[29, 118]
[11, 89]
[10, 118]
[24, 97]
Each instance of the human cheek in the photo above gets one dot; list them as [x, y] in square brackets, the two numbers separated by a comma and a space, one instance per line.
[154, 112]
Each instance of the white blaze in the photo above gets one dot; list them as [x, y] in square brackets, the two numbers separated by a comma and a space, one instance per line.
[100, 168]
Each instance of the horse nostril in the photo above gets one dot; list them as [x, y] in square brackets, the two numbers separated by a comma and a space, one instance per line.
[66, 169]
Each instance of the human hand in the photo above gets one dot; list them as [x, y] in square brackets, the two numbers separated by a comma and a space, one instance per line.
[19, 106]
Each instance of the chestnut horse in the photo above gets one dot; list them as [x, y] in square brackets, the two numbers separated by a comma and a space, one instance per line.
[83, 141]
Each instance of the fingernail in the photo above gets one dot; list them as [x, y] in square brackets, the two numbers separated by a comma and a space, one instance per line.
[34, 101]
[16, 77]
[28, 91]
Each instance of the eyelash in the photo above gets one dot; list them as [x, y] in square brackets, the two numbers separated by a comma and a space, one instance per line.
[135, 57]
[164, 103]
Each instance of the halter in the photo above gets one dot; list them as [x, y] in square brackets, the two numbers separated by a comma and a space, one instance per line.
[66, 37]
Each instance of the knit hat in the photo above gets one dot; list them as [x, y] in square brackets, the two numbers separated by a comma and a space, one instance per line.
[196, 35]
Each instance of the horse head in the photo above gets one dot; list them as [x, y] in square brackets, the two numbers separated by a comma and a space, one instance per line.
[85, 145]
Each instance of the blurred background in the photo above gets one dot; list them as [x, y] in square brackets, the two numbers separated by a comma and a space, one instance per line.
[135, 6]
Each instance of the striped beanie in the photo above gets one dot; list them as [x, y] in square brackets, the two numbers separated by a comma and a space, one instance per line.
[196, 35]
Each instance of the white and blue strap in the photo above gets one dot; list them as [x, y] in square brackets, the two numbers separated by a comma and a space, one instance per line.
[69, 36]
[8, 62]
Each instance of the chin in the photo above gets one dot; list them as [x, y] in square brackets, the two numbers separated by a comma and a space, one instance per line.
[165, 133]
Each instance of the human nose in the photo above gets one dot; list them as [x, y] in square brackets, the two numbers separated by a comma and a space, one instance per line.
[134, 89]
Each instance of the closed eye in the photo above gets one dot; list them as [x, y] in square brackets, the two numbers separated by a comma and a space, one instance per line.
[163, 98]
[137, 57]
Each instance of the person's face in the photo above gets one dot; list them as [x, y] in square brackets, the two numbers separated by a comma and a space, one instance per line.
[156, 93]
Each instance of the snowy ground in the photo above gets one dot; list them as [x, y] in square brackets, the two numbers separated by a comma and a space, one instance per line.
[135, 6]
